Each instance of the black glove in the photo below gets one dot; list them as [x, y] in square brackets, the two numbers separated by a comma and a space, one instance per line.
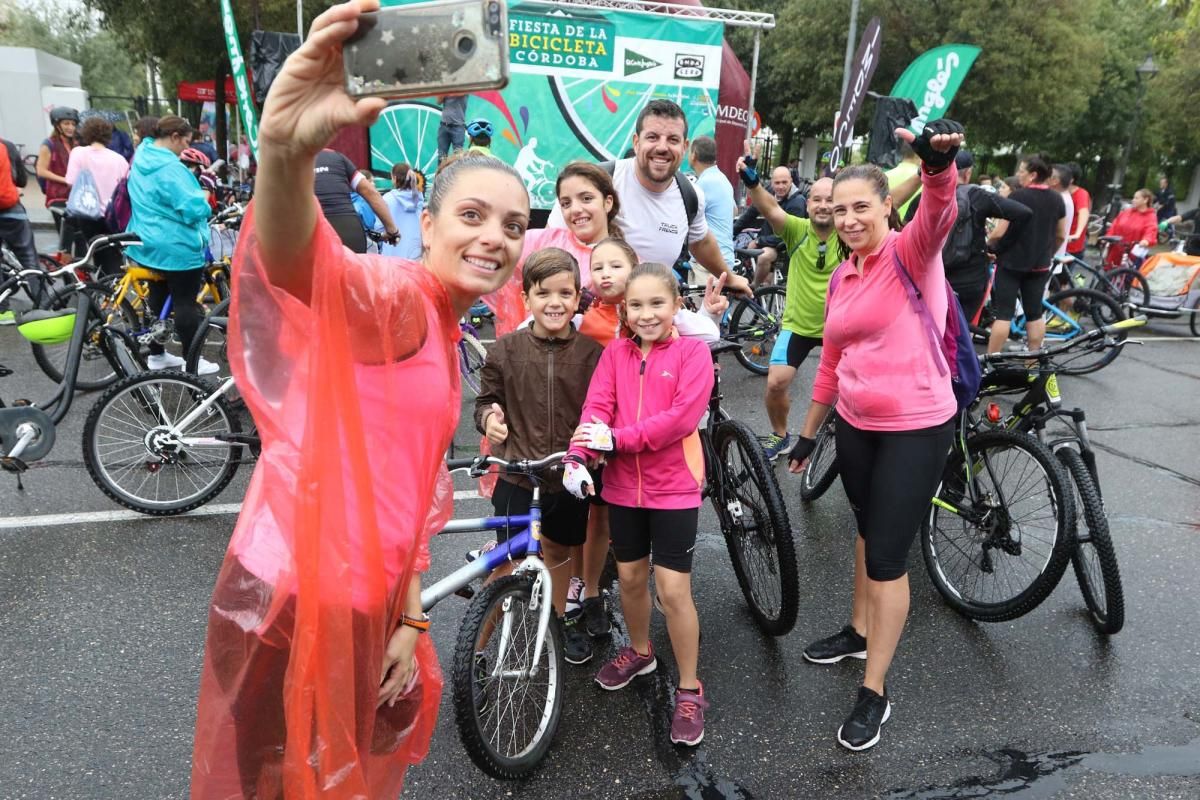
[936, 160]
[750, 175]
[802, 450]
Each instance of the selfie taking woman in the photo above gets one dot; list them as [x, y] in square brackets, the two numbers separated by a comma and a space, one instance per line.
[318, 678]
[895, 403]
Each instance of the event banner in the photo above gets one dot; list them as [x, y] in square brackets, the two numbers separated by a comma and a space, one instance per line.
[866, 59]
[579, 77]
[932, 79]
[240, 80]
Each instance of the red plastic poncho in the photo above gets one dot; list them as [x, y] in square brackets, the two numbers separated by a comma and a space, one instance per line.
[356, 397]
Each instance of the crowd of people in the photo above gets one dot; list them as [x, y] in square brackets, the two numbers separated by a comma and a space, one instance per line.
[316, 666]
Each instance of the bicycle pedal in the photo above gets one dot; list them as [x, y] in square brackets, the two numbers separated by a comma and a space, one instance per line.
[466, 592]
[14, 465]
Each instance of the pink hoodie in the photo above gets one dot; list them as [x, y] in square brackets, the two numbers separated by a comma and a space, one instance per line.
[654, 405]
[876, 358]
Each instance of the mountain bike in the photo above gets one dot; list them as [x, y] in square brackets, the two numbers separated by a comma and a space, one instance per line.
[1002, 525]
[743, 489]
[507, 668]
[1094, 557]
[752, 323]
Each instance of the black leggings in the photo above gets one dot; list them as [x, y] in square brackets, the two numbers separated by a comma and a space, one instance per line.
[349, 228]
[889, 478]
[183, 285]
[1029, 285]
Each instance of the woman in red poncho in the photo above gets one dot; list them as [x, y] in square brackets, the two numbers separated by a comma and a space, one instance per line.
[1136, 225]
[317, 680]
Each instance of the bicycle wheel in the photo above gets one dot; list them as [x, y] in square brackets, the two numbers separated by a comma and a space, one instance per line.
[134, 457]
[756, 327]
[94, 370]
[822, 464]
[1129, 288]
[756, 527]
[1074, 312]
[211, 341]
[1194, 313]
[507, 707]
[997, 547]
[471, 356]
[1094, 558]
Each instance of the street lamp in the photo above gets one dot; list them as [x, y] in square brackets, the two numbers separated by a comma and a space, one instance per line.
[1146, 70]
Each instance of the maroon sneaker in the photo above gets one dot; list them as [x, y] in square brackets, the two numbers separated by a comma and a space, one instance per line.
[687, 725]
[629, 663]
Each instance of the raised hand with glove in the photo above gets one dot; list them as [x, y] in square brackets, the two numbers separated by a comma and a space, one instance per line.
[938, 143]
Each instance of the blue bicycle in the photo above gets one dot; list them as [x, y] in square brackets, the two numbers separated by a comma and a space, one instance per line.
[507, 674]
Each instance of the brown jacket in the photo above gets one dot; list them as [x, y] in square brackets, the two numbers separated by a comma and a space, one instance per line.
[541, 385]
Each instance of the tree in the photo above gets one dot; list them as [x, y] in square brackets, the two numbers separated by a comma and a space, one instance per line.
[1171, 129]
[108, 69]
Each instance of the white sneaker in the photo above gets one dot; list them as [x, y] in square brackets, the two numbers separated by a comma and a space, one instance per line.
[164, 361]
[206, 367]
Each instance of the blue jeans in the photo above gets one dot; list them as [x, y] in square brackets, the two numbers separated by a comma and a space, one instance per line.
[450, 136]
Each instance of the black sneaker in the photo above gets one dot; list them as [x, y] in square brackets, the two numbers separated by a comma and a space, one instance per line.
[846, 643]
[860, 731]
[577, 645]
[595, 617]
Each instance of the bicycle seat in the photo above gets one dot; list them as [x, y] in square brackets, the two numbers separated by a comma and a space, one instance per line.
[721, 346]
[1111, 239]
[749, 252]
[1064, 259]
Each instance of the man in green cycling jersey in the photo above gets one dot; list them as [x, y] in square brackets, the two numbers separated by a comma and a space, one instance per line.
[813, 254]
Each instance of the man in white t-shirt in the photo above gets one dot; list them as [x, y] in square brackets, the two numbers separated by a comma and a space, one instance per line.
[1060, 181]
[654, 217]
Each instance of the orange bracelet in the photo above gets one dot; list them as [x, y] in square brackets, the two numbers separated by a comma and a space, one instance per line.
[421, 625]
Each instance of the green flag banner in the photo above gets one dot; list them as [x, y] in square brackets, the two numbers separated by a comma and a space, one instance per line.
[932, 79]
[241, 80]
[579, 77]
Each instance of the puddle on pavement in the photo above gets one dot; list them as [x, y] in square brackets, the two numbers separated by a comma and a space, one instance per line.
[1043, 775]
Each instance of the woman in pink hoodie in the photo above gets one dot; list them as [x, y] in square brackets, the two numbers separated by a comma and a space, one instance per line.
[643, 408]
[895, 404]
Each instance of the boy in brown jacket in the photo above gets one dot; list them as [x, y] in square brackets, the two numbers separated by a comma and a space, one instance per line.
[533, 386]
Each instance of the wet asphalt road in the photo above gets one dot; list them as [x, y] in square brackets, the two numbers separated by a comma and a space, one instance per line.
[102, 625]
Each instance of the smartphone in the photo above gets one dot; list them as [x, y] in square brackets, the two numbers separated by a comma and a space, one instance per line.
[427, 49]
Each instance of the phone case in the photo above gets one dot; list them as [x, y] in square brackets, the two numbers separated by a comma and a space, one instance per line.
[429, 49]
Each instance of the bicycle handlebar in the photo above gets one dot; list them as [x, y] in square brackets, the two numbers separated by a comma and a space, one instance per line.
[1047, 352]
[525, 466]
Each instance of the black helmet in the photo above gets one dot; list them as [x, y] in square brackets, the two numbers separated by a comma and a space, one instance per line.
[61, 113]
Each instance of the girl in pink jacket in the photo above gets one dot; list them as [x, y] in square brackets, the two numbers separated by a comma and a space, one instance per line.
[644, 405]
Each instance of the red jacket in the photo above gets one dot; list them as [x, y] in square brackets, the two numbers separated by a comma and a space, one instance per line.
[1136, 226]
[654, 404]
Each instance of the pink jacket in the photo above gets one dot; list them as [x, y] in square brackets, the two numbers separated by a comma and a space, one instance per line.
[654, 406]
[876, 358]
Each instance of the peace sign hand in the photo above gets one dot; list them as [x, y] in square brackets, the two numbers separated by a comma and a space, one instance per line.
[715, 303]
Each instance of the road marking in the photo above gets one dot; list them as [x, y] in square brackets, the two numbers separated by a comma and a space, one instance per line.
[85, 517]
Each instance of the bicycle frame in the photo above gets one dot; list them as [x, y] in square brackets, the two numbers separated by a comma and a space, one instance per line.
[173, 431]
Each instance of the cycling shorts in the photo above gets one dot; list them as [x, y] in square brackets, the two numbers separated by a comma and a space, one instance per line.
[564, 516]
[889, 478]
[791, 349]
[1031, 286]
[668, 533]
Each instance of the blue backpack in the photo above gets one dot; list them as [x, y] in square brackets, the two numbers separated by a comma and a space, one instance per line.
[954, 344]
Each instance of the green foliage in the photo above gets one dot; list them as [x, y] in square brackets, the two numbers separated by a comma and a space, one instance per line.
[108, 67]
[1171, 121]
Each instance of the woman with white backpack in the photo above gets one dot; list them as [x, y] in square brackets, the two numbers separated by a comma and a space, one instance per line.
[93, 172]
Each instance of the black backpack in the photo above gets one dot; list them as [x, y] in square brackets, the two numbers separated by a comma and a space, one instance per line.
[691, 203]
[20, 175]
[960, 244]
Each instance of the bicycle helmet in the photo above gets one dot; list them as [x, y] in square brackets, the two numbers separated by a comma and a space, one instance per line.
[480, 127]
[47, 327]
[63, 113]
[193, 156]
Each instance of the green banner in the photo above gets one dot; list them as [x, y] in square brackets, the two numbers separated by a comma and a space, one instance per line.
[932, 79]
[241, 80]
[579, 77]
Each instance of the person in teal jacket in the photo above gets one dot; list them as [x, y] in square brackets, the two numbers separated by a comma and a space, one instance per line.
[170, 214]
